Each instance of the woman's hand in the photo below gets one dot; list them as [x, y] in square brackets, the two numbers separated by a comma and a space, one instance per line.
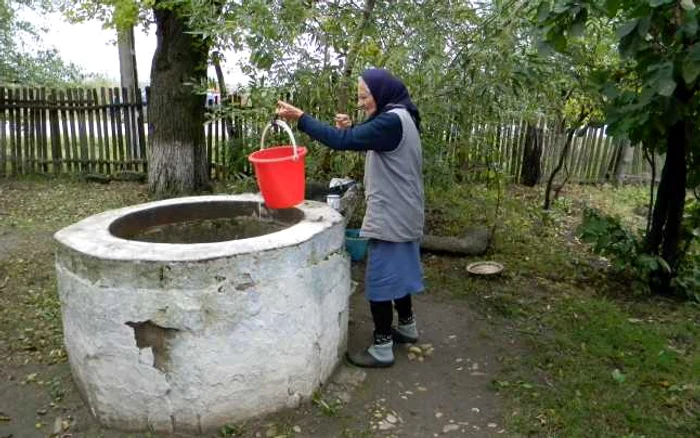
[288, 112]
[342, 121]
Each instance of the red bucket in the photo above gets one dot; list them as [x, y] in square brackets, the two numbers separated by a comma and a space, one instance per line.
[280, 171]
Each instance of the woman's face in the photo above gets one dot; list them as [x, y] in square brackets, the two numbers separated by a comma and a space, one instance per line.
[364, 99]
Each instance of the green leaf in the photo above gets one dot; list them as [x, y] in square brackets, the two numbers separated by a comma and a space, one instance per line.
[657, 3]
[643, 27]
[544, 48]
[610, 90]
[627, 28]
[612, 6]
[691, 70]
[662, 80]
[688, 5]
[543, 11]
[558, 41]
[579, 24]
[618, 376]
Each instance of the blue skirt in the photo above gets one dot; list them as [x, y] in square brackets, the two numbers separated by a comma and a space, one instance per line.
[393, 270]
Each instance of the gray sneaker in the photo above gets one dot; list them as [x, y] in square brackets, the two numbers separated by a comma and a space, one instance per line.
[405, 333]
[376, 356]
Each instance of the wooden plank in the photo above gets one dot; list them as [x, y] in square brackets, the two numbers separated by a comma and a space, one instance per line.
[55, 132]
[579, 156]
[30, 132]
[107, 152]
[595, 161]
[40, 124]
[128, 138]
[92, 135]
[605, 171]
[3, 133]
[65, 138]
[99, 149]
[14, 132]
[217, 147]
[22, 131]
[82, 128]
[521, 148]
[66, 116]
[209, 140]
[140, 121]
[605, 156]
[547, 146]
[134, 129]
[117, 114]
[71, 96]
[42, 131]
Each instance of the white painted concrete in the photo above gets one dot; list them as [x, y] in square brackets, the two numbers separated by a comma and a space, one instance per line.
[251, 326]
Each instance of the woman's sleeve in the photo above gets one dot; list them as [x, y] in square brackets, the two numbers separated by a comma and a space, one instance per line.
[383, 133]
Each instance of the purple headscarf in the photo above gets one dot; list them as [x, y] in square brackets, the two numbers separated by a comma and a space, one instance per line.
[389, 92]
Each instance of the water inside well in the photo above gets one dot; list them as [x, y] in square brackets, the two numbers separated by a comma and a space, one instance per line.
[205, 222]
[209, 230]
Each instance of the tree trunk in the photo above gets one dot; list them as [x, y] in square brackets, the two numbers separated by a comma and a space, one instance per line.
[665, 234]
[127, 58]
[532, 157]
[216, 60]
[562, 158]
[177, 154]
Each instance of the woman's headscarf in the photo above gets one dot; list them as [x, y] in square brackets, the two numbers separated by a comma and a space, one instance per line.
[389, 92]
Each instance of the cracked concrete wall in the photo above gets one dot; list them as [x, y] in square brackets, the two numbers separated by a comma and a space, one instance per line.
[222, 339]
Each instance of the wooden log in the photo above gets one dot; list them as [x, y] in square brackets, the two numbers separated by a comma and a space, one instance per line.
[474, 242]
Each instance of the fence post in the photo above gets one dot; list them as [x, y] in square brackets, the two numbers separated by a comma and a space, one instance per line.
[55, 132]
[3, 138]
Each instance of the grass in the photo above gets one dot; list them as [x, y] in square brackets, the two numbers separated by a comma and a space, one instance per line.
[594, 358]
[599, 360]
[31, 210]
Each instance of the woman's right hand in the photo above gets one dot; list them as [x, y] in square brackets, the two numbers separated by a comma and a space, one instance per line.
[288, 112]
[342, 121]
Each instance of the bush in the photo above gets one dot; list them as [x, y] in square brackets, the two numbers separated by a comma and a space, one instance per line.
[625, 251]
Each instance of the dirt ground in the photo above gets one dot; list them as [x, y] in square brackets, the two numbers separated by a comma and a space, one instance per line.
[447, 394]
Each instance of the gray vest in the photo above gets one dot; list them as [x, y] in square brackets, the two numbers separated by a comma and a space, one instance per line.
[394, 188]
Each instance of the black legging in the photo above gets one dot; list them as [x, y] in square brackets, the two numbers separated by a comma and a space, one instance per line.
[383, 314]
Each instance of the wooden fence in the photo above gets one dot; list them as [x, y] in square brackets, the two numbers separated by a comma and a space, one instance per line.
[74, 130]
[103, 131]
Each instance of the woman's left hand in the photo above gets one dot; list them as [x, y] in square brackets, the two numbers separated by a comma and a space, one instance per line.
[288, 112]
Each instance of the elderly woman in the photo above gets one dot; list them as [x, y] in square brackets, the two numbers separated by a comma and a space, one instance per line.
[394, 217]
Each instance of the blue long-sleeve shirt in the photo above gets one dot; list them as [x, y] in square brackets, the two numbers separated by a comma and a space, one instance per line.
[383, 133]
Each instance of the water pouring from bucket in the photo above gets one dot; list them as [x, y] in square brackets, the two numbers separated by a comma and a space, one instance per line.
[280, 170]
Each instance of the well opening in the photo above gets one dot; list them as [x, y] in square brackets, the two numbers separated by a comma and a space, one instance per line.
[204, 222]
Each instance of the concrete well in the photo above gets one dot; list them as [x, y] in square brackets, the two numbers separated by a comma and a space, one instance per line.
[187, 337]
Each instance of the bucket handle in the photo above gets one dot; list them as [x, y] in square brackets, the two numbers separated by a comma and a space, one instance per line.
[286, 128]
